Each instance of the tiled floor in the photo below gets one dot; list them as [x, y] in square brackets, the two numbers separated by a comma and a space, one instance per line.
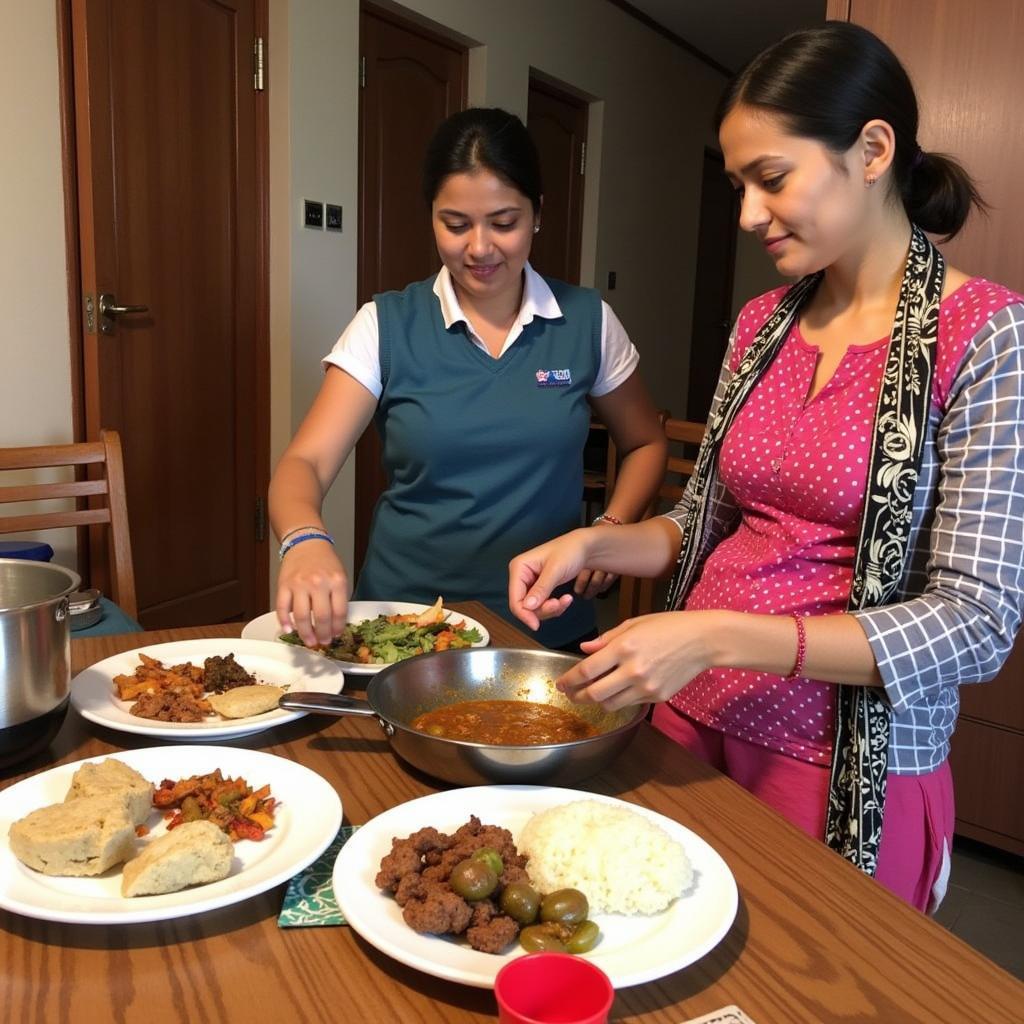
[984, 904]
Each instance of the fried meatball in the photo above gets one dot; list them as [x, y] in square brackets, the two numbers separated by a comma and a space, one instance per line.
[483, 911]
[410, 887]
[402, 860]
[442, 911]
[494, 936]
[426, 840]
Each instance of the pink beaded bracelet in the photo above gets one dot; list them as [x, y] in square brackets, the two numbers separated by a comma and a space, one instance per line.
[801, 648]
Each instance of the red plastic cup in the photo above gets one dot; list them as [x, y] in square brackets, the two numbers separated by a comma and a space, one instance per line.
[552, 988]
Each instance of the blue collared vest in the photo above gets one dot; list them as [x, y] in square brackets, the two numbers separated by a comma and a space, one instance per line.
[484, 456]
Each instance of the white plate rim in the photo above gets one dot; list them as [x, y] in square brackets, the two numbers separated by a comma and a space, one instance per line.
[266, 627]
[364, 906]
[92, 689]
[309, 817]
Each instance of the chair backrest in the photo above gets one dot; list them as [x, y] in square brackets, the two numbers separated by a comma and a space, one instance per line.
[637, 596]
[105, 496]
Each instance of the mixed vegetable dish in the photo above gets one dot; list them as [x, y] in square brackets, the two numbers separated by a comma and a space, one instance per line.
[390, 638]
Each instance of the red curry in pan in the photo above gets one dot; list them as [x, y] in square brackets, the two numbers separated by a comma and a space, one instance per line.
[511, 723]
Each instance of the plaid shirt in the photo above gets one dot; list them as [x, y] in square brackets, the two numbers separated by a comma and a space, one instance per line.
[962, 595]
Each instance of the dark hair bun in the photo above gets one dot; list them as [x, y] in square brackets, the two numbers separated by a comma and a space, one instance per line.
[939, 194]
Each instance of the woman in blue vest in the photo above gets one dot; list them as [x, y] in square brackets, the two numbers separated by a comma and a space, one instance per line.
[482, 380]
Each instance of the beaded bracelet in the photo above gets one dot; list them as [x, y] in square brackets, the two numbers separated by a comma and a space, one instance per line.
[801, 648]
[606, 517]
[289, 544]
[299, 529]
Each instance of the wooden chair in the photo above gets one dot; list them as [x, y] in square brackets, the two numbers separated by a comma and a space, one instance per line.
[598, 483]
[111, 511]
[636, 596]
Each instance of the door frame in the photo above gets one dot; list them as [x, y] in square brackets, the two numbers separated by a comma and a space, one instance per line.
[561, 92]
[370, 475]
[72, 242]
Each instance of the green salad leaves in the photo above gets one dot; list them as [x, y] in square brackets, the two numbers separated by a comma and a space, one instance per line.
[383, 640]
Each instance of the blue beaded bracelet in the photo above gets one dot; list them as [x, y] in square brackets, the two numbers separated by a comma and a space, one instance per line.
[292, 541]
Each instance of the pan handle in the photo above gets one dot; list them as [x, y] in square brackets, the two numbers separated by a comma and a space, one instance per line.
[326, 704]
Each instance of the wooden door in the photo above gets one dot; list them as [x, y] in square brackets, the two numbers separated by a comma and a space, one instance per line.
[170, 148]
[712, 298]
[411, 81]
[964, 61]
[558, 124]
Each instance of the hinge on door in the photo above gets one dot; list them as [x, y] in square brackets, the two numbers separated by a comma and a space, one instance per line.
[90, 314]
[362, 72]
[257, 64]
[261, 519]
[583, 158]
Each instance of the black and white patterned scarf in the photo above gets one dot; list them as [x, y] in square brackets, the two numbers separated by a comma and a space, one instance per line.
[860, 756]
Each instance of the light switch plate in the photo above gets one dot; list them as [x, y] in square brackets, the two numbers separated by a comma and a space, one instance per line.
[333, 219]
[313, 214]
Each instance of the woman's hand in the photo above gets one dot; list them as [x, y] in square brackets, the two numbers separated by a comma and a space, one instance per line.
[646, 659]
[592, 582]
[535, 573]
[312, 588]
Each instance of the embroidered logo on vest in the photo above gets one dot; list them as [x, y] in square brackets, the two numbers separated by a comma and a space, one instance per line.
[553, 378]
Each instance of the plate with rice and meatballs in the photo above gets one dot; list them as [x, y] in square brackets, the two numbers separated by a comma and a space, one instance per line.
[458, 883]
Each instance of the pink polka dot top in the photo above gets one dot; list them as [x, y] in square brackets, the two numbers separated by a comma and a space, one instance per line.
[797, 470]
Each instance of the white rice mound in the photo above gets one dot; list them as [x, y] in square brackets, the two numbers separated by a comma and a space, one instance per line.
[621, 861]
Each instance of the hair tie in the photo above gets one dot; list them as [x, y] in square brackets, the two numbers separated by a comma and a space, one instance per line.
[918, 159]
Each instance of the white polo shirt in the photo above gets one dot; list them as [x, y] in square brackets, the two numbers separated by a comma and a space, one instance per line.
[357, 351]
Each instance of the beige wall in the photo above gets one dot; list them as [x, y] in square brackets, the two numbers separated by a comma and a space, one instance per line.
[649, 121]
[35, 360]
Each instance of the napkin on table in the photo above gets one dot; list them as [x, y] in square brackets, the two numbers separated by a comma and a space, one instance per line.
[309, 899]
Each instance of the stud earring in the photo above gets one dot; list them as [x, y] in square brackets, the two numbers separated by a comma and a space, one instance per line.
[536, 228]
[870, 180]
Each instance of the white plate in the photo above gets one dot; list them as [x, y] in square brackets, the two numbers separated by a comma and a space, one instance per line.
[266, 627]
[306, 819]
[632, 950]
[95, 698]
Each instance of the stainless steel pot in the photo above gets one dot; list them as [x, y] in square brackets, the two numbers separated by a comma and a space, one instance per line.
[400, 692]
[35, 654]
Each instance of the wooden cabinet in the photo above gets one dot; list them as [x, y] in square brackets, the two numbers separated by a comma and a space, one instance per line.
[964, 60]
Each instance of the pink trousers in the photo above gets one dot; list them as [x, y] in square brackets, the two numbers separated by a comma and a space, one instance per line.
[917, 829]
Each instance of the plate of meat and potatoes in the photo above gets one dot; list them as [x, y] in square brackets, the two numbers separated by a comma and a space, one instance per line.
[187, 688]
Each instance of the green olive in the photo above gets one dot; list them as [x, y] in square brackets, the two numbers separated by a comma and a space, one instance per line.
[521, 902]
[491, 858]
[473, 880]
[584, 939]
[566, 906]
[536, 938]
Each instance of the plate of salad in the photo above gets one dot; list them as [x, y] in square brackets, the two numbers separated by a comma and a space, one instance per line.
[379, 633]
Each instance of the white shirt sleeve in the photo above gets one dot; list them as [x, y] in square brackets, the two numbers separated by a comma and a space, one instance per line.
[357, 351]
[619, 357]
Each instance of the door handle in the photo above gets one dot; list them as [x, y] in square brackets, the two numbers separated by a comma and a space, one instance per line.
[109, 309]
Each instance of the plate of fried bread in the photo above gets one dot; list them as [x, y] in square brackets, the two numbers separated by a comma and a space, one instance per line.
[159, 833]
[192, 690]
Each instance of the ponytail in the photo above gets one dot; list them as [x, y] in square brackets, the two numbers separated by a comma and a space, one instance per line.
[938, 194]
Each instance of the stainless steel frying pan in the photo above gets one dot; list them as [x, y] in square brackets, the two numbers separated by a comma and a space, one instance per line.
[400, 692]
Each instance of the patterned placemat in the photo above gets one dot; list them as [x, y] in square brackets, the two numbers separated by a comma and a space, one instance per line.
[309, 899]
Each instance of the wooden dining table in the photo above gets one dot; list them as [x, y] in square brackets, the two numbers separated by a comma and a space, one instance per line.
[813, 940]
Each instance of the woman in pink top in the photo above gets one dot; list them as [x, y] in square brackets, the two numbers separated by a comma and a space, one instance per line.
[850, 548]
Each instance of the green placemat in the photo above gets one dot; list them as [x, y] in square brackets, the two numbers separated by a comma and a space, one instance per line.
[309, 899]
